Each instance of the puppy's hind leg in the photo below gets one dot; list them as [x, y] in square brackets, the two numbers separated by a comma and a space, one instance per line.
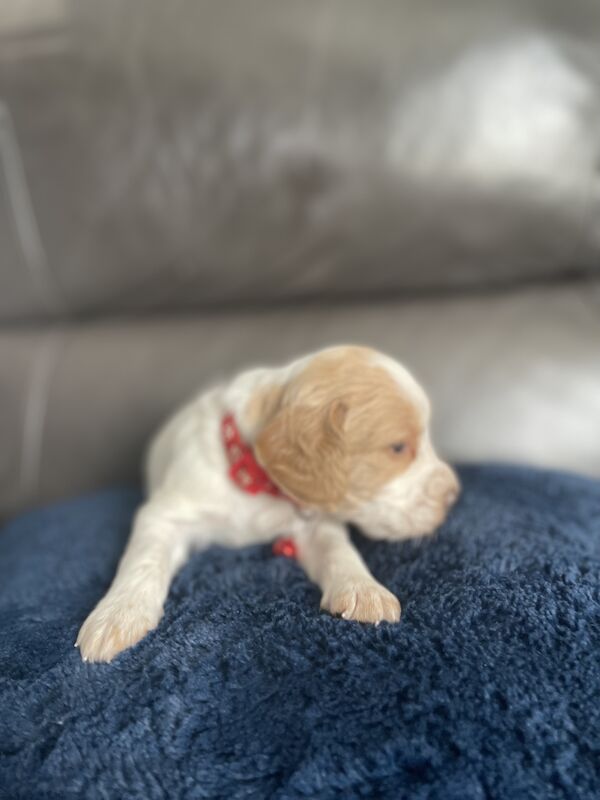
[133, 605]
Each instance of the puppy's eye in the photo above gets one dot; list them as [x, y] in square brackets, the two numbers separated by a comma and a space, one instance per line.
[398, 447]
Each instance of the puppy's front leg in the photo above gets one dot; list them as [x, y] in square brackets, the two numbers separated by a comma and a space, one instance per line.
[331, 561]
[134, 603]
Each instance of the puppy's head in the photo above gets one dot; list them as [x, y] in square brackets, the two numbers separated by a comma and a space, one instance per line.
[347, 434]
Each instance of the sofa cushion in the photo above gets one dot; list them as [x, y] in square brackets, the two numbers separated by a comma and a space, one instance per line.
[79, 403]
[488, 687]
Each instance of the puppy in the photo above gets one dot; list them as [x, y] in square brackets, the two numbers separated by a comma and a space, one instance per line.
[335, 437]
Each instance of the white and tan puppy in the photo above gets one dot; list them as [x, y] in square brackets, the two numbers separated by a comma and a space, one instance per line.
[335, 437]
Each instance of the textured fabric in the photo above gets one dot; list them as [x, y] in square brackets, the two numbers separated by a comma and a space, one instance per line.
[487, 689]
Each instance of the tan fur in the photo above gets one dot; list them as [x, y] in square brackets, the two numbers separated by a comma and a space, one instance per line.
[262, 407]
[326, 436]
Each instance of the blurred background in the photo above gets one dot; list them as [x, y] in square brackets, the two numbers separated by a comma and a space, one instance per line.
[188, 188]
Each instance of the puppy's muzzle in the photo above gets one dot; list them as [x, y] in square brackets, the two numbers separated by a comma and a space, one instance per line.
[443, 489]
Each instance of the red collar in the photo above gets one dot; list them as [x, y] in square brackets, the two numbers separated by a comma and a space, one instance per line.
[244, 469]
[249, 476]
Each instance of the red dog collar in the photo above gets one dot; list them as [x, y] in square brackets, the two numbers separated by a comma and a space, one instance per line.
[249, 476]
[244, 469]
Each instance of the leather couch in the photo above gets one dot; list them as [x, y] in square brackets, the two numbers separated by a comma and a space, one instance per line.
[188, 188]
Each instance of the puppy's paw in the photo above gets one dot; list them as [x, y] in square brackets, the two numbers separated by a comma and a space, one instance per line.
[113, 626]
[362, 600]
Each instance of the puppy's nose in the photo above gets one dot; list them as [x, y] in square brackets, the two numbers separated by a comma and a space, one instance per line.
[453, 489]
[450, 497]
[447, 487]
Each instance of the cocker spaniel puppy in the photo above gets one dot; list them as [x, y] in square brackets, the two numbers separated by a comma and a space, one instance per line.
[338, 436]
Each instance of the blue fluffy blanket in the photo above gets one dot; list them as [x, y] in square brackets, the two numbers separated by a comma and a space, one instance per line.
[488, 688]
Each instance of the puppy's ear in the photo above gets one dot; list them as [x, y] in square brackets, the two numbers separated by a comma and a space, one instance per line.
[302, 449]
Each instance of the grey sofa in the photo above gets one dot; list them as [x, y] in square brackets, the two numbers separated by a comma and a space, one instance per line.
[187, 188]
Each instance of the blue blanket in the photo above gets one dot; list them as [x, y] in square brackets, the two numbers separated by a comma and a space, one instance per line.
[488, 688]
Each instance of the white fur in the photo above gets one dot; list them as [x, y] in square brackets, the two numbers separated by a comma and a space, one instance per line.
[192, 503]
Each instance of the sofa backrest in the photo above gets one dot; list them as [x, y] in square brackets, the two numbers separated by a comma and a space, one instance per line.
[169, 156]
